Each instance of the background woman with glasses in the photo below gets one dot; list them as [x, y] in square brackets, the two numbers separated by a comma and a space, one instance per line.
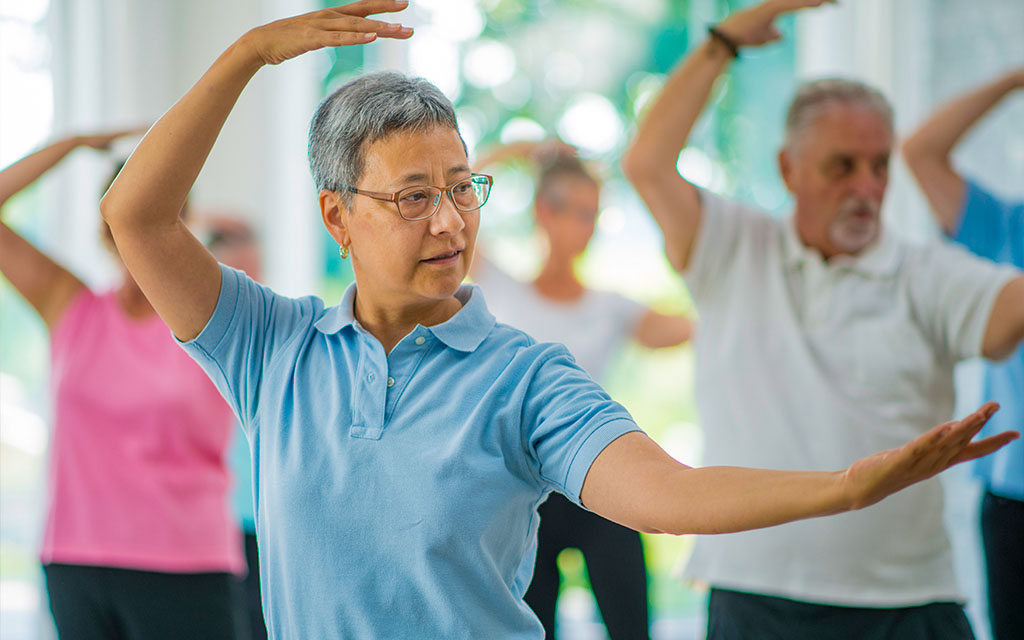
[594, 325]
[402, 439]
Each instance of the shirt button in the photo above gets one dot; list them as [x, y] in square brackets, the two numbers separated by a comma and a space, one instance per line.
[369, 378]
[420, 340]
[391, 382]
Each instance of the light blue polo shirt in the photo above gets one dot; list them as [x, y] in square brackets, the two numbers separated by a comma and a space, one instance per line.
[396, 495]
[994, 229]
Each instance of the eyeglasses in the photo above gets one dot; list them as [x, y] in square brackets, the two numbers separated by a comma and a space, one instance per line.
[421, 202]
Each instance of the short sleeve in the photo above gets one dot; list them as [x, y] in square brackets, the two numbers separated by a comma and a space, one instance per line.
[953, 293]
[987, 224]
[725, 226]
[568, 420]
[250, 325]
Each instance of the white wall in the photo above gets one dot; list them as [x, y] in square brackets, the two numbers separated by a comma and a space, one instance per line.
[125, 62]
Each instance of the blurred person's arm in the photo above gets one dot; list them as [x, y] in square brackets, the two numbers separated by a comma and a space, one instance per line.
[46, 286]
[635, 483]
[656, 330]
[1005, 330]
[927, 151]
[178, 275]
[650, 161]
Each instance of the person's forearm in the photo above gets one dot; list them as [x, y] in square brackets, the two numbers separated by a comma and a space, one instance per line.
[153, 185]
[663, 132]
[941, 132]
[729, 499]
[27, 170]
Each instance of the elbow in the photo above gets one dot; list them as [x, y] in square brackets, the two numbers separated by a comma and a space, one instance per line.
[637, 166]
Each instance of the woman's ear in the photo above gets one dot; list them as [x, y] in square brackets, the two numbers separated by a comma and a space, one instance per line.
[333, 210]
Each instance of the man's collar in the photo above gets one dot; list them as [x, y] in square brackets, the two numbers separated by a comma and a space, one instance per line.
[463, 332]
[880, 259]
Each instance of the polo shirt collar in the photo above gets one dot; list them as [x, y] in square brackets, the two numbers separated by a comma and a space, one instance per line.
[879, 260]
[463, 332]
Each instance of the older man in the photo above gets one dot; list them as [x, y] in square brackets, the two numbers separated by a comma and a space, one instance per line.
[822, 337]
[992, 228]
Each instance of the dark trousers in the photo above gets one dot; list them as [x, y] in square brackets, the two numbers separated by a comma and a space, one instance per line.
[615, 565]
[104, 603]
[257, 627]
[1002, 530]
[733, 615]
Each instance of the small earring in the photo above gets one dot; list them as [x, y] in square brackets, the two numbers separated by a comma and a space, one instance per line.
[343, 252]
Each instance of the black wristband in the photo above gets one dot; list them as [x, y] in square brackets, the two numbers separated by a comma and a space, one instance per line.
[717, 34]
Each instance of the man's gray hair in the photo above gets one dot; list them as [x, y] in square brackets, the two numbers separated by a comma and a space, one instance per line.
[364, 110]
[814, 98]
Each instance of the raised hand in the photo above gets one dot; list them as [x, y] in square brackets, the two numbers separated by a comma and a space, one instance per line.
[870, 479]
[346, 25]
[756, 26]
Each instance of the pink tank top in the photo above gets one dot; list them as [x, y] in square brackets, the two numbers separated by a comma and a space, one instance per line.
[137, 472]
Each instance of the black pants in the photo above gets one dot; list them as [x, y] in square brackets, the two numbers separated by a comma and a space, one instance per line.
[1002, 530]
[733, 615]
[615, 565]
[257, 627]
[104, 603]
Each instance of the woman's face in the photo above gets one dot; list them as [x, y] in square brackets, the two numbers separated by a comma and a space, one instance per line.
[568, 215]
[397, 261]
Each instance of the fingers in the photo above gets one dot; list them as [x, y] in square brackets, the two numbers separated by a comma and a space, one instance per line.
[370, 7]
[983, 447]
[363, 25]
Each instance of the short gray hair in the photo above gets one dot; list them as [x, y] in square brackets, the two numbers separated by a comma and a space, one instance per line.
[813, 98]
[364, 110]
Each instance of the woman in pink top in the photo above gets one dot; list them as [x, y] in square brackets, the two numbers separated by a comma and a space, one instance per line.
[139, 541]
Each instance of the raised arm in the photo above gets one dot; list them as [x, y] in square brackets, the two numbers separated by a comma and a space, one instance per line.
[650, 161]
[635, 483]
[46, 286]
[927, 151]
[178, 275]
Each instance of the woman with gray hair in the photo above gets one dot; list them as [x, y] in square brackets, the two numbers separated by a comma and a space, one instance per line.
[402, 439]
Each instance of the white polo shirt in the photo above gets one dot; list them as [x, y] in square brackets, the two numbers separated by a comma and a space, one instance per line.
[807, 364]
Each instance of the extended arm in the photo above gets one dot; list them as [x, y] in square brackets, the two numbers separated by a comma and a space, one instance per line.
[635, 483]
[656, 330]
[46, 286]
[650, 161]
[178, 275]
[927, 151]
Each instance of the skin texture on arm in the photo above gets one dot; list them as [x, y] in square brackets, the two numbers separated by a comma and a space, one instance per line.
[650, 161]
[46, 286]
[179, 276]
[927, 151]
[656, 330]
[1005, 329]
[635, 483]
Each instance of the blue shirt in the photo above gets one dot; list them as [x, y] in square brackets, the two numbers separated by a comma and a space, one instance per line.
[995, 230]
[396, 494]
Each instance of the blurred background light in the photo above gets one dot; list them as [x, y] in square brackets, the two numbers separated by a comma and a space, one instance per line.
[592, 123]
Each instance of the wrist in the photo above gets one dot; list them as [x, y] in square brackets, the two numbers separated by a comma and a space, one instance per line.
[724, 40]
[243, 55]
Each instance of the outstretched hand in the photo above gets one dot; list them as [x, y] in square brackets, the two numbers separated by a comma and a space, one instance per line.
[346, 25]
[756, 26]
[871, 479]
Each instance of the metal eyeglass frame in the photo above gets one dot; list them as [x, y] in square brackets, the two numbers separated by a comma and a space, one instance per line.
[394, 197]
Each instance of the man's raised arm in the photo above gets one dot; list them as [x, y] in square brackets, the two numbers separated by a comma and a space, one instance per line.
[650, 161]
